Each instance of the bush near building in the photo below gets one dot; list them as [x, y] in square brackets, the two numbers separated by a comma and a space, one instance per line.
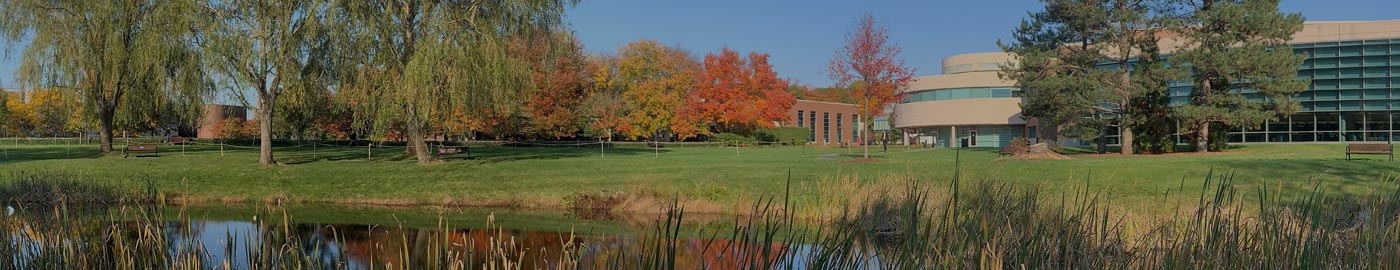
[784, 135]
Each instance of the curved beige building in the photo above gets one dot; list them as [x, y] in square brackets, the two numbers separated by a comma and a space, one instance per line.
[1354, 95]
[968, 106]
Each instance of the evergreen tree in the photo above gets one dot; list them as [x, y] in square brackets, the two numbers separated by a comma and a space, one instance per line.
[1243, 70]
[1075, 65]
[1151, 113]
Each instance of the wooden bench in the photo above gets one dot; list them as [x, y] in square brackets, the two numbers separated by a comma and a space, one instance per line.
[1005, 152]
[1370, 149]
[135, 150]
[179, 140]
[451, 150]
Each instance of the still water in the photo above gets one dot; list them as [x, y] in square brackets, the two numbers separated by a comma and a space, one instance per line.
[383, 238]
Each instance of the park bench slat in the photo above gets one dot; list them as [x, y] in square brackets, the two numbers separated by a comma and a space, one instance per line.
[137, 149]
[1370, 149]
[451, 150]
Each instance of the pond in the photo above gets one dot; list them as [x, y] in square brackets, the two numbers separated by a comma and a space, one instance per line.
[329, 237]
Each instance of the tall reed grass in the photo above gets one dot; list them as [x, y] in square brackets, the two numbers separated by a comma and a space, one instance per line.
[965, 225]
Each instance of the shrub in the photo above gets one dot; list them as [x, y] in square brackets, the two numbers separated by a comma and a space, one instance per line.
[709, 191]
[784, 135]
[1019, 146]
[731, 139]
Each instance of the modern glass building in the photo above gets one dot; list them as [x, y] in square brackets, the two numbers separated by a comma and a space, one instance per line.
[967, 106]
[1355, 91]
[1355, 94]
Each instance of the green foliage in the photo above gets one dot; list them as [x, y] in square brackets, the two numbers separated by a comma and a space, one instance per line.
[784, 135]
[731, 139]
[1151, 113]
[124, 60]
[1075, 59]
[420, 61]
[266, 50]
[1231, 46]
[709, 191]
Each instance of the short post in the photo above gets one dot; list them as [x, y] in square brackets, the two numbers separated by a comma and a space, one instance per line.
[369, 149]
[313, 150]
[600, 147]
[221, 148]
[657, 148]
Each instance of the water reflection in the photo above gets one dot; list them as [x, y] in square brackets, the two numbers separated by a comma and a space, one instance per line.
[387, 247]
[240, 244]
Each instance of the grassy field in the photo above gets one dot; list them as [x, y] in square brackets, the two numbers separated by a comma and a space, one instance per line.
[546, 176]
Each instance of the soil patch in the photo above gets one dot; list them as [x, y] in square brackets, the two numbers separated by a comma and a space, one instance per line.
[1041, 156]
[1175, 154]
[860, 160]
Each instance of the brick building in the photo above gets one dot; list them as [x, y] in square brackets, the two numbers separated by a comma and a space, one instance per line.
[830, 123]
[214, 116]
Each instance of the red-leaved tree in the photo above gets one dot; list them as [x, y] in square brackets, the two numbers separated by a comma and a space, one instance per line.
[735, 94]
[560, 82]
[870, 59]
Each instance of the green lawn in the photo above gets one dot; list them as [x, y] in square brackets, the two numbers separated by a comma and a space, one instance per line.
[539, 176]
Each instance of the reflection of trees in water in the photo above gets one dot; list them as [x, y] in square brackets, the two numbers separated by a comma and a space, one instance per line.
[534, 249]
[136, 242]
[402, 247]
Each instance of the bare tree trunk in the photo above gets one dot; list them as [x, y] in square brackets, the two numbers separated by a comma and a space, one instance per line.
[1203, 137]
[419, 145]
[1203, 126]
[865, 147]
[265, 131]
[1125, 139]
[105, 134]
[415, 138]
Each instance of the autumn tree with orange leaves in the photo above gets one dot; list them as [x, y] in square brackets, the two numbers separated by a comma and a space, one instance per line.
[557, 71]
[869, 58]
[604, 111]
[656, 78]
[735, 94]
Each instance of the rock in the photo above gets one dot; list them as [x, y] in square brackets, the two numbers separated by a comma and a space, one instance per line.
[1039, 148]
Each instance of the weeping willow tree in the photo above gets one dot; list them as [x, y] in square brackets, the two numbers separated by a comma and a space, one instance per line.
[262, 50]
[124, 60]
[423, 61]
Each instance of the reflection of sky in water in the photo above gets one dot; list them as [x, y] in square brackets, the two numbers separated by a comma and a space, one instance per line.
[357, 245]
[215, 237]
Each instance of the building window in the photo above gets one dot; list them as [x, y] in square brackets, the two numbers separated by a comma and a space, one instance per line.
[826, 127]
[812, 124]
[855, 128]
[799, 119]
[839, 125]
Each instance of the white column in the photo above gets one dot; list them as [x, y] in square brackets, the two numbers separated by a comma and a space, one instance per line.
[953, 140]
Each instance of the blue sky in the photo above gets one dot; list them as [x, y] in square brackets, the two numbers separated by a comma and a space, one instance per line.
[801, 36]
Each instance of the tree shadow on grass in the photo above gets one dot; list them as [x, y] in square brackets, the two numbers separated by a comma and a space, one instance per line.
[493, 154]
[23, 154]
[505, 154]
[1330, 176]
